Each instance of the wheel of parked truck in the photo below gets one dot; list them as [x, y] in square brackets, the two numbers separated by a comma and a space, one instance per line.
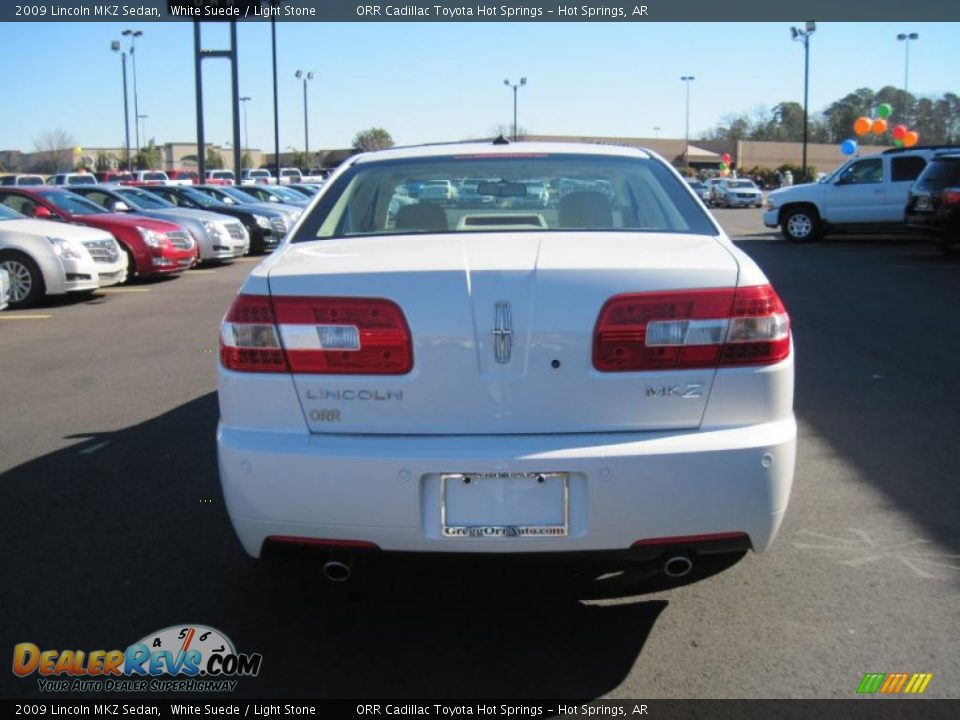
[801, 224]
[26, 280]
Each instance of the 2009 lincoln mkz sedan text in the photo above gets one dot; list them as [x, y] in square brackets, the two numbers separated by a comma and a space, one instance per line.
[602, 372]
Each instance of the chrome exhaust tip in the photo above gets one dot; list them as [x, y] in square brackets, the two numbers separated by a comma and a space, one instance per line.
[678, 566]
[337, 570]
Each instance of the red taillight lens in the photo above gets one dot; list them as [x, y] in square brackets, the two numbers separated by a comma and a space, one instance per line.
[248, 337]
[950, 196]
[691, 329]
[343, 336]
[759, 331]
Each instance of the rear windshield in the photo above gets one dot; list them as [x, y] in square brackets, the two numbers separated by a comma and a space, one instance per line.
[943, 171]
[585, 192]
[154, 176]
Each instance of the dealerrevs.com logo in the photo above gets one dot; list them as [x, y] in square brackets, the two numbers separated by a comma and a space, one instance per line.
[187, 658]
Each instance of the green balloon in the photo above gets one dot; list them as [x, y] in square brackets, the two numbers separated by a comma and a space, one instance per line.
[723, 166]
[884, 110]
[898, 142]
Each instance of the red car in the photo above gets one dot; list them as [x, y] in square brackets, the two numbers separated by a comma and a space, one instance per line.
[153, 247]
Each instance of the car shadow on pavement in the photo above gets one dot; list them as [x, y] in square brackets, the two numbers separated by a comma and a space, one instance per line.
[125, 533]
[876, 376]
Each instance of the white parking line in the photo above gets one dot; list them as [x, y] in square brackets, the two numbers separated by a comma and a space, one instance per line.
[93, 448]
[5, 316]
[199, 272]
[121, 290]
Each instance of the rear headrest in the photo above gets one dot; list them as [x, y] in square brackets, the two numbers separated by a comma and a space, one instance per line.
[585, 209]
[422, 216]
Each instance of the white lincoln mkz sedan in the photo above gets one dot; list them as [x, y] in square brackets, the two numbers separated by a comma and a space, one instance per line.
[607, 372]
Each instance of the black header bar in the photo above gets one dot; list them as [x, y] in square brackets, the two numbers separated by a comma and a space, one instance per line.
[479, 11]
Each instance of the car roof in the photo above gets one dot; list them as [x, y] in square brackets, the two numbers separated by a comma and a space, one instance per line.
[487, 149]
[34, 189]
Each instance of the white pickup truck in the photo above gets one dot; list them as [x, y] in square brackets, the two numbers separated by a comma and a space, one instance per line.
[865, 194]
[252, 176]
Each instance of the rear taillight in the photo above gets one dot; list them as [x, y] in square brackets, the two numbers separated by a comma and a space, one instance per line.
[342, 336]
[691, 329]
[950, 196]
[248, 337]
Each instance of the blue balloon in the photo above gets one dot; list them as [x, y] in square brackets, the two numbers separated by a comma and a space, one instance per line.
[848, 146]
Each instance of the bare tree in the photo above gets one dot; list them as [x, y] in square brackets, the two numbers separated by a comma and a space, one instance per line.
[54, 148]
[373, 139]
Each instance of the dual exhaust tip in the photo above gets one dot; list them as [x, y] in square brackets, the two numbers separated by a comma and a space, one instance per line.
[339, 570]
[678, 566]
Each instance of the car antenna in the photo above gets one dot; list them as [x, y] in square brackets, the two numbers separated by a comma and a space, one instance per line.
[501, 140]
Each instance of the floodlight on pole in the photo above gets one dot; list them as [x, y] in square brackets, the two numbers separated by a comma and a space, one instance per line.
[803, 36]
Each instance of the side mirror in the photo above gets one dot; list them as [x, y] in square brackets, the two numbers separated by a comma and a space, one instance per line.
[119, 206]
[42, 213]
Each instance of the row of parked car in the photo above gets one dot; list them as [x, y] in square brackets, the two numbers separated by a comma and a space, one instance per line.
[914, 190]
[903, 189]
[78, 238]
[249, 176]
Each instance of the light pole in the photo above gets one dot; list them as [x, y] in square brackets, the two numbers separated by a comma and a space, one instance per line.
[656, 129]
[686, 133]
[144, 126]
[246, 135]
[115, 46]
[275, 7]
[133, 35]
[523, 81]
[803, 35]
[906, 38]
[305, 75]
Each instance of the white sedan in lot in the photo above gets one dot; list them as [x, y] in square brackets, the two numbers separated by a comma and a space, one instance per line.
[610, 374]
[737, 193]
[4, 288]
[52, 258]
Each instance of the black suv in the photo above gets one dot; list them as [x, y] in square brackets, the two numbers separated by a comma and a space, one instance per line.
[933, 204]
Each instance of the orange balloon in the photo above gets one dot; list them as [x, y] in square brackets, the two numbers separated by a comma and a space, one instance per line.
[911, 139]
[879, 126]
[862, 126]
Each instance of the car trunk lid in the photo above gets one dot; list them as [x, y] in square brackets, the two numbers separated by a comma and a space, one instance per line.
[502, 329]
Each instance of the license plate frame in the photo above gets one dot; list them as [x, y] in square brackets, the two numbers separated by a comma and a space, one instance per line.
[556, 484]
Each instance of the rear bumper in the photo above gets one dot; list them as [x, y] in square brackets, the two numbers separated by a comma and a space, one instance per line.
[771, 218]
[935, 224]
[623, 487]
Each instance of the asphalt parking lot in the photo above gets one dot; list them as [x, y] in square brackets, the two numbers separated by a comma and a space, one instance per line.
[114, 525]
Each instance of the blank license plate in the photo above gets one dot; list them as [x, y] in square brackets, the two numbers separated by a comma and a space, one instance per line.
[488, 505]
